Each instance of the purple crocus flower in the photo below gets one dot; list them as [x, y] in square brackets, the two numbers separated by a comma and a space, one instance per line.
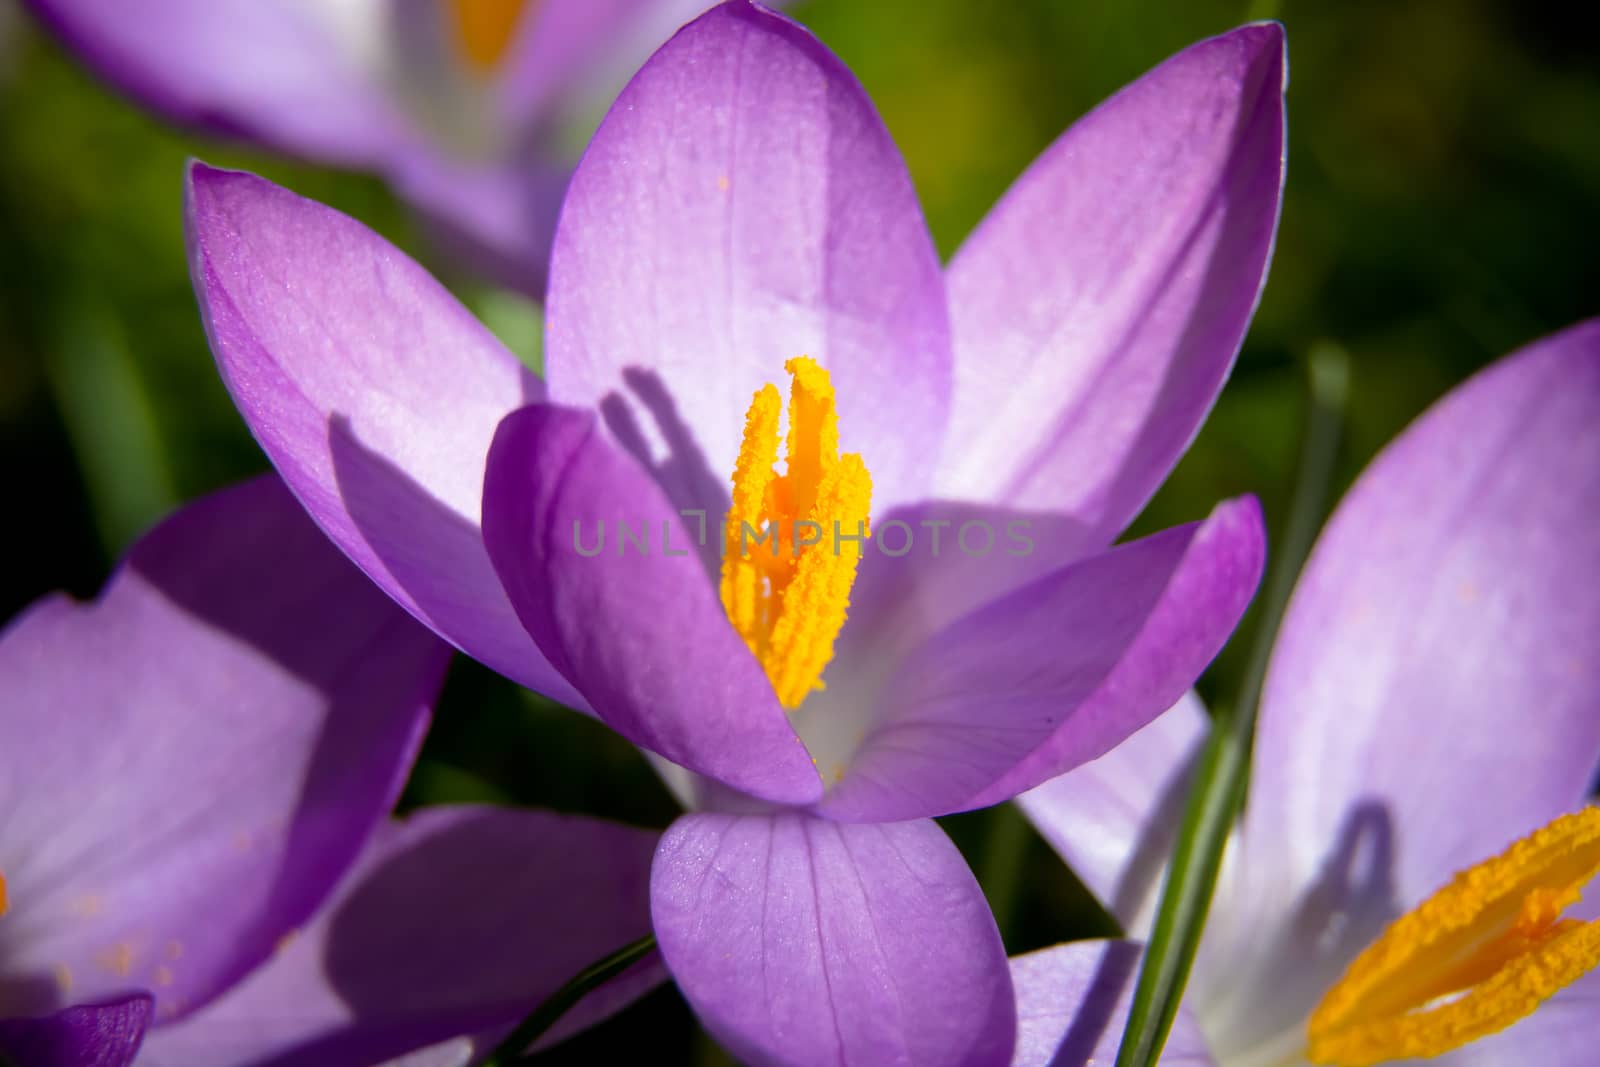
[743, 212]
[191, 764]
[459, 105]
[1433, 696]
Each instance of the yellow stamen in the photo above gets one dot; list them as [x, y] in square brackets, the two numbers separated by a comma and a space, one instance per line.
[485, 29]
[1477, 956]
[787, 594]
[4, 900]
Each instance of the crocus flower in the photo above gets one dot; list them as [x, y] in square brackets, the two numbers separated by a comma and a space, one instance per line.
[459, 105]
[1433, 696]
[191, 764]
[743, 217]
[455, 923]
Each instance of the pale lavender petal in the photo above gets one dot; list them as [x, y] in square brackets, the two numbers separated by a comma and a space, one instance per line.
[373, 391]
[800, 940]
[1440, 649]
[456, 924]
[1072, 1006]
[605, 576]
[1435, 651]
[569, 55]
[742, 204]
[1114, 819]
[496, 219]
[303, 76]
[1098, 309]
[89, 1035]
[935, 561]
[1055, 674]
[190, 763]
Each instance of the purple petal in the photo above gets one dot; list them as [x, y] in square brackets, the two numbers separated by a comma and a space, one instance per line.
[493, 219]
[373, 391]
[800, 940]
[571, 54]
[295, 74]
[638, 628]
[189, 764]
[1099, 307]
[1056, 674]
[457, 923]
[1114, 819]
[91, 1035]
[1441, 648]
[1072, 1006]
[1434, 652]
[743, 204]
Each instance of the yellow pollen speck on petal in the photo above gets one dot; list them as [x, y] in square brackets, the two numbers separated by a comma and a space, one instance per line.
[793, 541]
[485, 29]
[88, 906]
[173, 950]
[723, 183]
[118, 959]
[1480, 954]
[5, 901]
[63, 976]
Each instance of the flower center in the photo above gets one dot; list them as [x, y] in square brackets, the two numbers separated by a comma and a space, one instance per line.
[484, 28]
[1478, 955]
[793, 540]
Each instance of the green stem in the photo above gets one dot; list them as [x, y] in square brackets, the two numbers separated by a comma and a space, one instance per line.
[1000, 872]
[509, 1053]
[1218, 791]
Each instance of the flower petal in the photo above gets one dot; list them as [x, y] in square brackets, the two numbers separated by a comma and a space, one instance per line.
[1099, 307]
[1053, 675]
[572, 54]
[373, 391]
[90, 1035]
[638, 628]
[1072, 1006]
[457, 923]
[187, 765]
[1436, 651]
[1114, 819]
[303, 76]
[800, 940]
[743, 204]
[493, 219]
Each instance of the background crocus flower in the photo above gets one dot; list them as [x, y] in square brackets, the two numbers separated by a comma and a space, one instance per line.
[459, 105]
[192, 763]
[742, 206]
[187, 767]
[1433, 696]
[454, 924]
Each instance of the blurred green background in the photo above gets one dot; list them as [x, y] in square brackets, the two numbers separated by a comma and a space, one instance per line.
[1444, 172]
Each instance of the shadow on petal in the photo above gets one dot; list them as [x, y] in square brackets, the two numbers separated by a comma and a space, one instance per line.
[411, 533]
[1277, 974]
[682, 471]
